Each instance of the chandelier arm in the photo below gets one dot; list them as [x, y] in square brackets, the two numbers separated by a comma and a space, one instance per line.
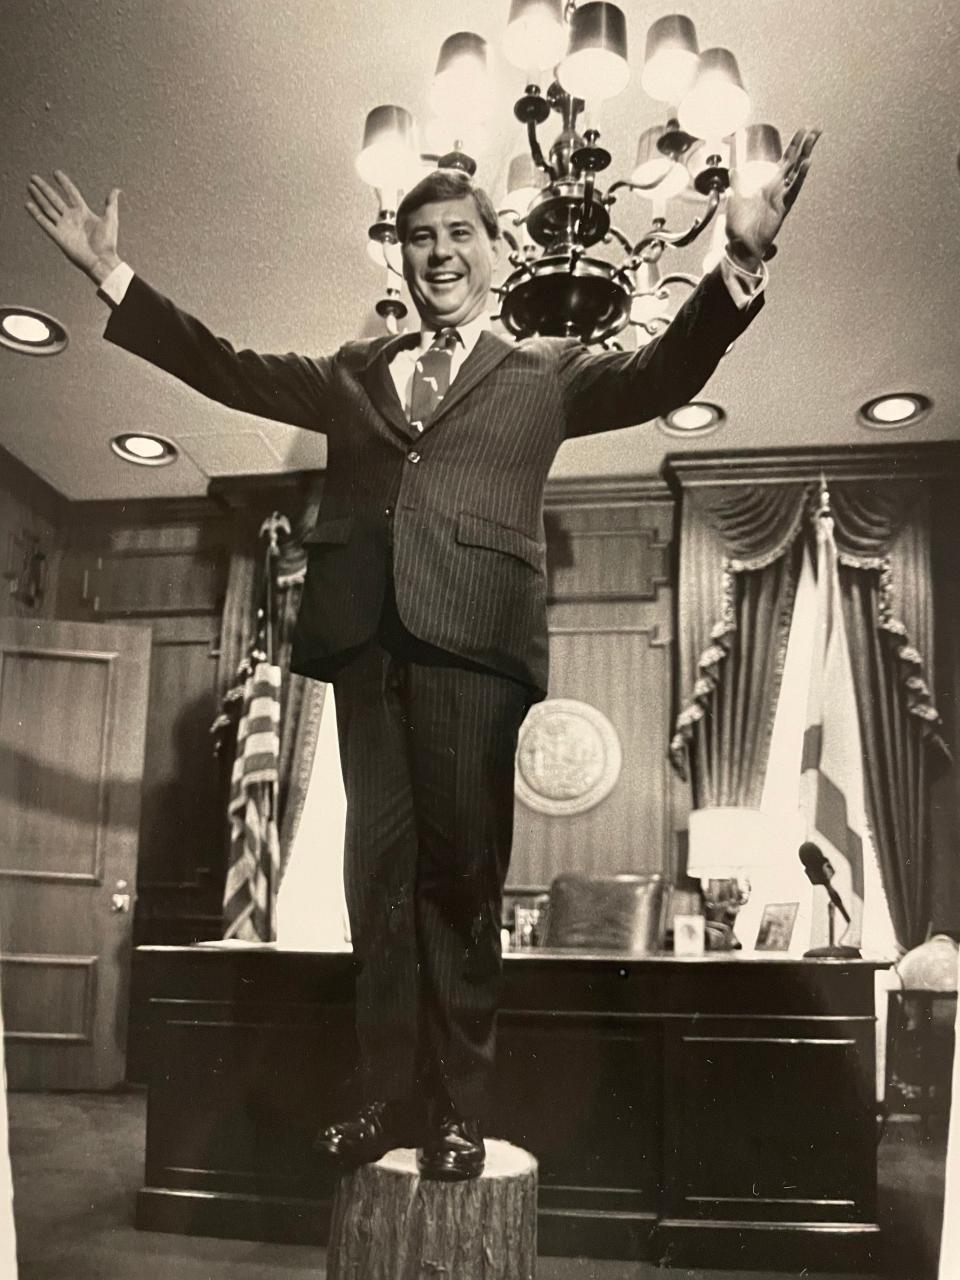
[515, 257]
[536, 152]
[677, 239]
[625, 185]
[679, 277]
[589, 180]
[616, 234]
[653, 327]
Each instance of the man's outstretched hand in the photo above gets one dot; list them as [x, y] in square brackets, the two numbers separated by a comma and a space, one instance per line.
[753, 220]
[88, 239]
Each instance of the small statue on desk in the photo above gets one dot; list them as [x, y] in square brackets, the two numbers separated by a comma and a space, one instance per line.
[721, 903]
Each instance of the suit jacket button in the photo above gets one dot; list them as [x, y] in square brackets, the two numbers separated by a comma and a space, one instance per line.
[388, 512]
[413, 456]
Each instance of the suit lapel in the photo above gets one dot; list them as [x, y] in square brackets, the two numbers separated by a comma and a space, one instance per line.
[483, 359]
[379, 385]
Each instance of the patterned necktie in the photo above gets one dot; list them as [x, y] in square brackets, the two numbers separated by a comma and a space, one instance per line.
[431, 377]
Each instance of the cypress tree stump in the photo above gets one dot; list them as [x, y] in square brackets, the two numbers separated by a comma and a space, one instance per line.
[389, 1224]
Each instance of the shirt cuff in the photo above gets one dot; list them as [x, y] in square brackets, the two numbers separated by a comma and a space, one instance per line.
[114, 288]
[742, 285]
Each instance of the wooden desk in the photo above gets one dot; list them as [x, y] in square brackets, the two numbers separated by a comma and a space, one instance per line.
[714, 1111]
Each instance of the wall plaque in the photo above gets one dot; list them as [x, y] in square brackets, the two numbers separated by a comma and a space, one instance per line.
[568, 757]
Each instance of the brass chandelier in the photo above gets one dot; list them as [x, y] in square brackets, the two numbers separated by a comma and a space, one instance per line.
[555, 216]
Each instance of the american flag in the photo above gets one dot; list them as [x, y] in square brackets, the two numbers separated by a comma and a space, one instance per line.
[250, 893]
[831, 787]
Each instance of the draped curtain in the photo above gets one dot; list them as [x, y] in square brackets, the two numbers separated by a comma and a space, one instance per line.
[740, 556]
[739, 567]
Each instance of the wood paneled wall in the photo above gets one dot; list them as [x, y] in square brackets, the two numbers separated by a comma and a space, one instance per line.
[165, 564]
[609, 547]
[31, 517]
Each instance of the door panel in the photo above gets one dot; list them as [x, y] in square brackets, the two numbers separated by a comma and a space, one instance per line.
[73, 700]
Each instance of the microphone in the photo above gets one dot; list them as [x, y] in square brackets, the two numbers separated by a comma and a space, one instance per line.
[819, 870]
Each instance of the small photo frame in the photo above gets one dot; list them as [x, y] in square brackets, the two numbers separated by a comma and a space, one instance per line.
[776, 926]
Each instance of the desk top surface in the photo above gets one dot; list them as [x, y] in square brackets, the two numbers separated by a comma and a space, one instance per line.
[544, 956]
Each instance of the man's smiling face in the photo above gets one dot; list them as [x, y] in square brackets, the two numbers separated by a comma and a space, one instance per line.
[448, 261]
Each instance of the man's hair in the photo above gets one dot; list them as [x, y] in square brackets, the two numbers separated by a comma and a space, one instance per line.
[446, 184]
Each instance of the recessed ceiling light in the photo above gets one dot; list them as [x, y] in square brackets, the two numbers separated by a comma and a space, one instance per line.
[144, 450]
[695, 419]
[901, 410]
[31, 332]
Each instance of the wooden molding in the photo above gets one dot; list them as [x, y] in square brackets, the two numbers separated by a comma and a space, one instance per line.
[920, 460]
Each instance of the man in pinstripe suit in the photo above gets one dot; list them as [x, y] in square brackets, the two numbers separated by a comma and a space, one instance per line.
[424, 601]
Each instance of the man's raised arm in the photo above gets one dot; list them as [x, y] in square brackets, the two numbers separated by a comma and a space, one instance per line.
[287, 388]
[87, 239]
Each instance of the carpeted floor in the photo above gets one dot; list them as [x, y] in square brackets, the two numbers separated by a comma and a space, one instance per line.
[77, 1163]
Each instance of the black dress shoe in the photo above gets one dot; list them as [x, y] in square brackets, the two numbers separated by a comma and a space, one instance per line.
[363, 1138]
[453, 1152]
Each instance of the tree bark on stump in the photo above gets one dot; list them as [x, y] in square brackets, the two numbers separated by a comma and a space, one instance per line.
[389, 1224]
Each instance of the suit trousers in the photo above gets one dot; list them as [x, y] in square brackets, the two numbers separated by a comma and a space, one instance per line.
[427, 746]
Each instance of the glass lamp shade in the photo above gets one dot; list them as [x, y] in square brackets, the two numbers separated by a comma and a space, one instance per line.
[536, 36]
[671, 60]
[756, 154]
[525, 181]
[388, 158]
[596, 64]
[717, 104]
[659, 175]
[461, 91]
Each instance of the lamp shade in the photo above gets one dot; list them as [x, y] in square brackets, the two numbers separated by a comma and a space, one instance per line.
[596, 64]
[536, 35]
[756, 154]
[388, 156]
[660, 175]
[727, 839]
[671, 60]
[717, 103]
[461, 86]
[525, 181]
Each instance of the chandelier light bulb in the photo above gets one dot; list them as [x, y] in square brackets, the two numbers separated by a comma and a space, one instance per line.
[536, 36]
[717, 104]
[661, 176]
[756, 150]
[596, 65]
[461, 92]
[671, 60]
[388, 157]
[384, 253]
[525, 181]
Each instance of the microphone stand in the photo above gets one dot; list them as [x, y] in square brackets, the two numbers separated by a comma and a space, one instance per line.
[833, 950]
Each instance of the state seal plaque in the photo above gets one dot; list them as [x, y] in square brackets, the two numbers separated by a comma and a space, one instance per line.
[568, 757]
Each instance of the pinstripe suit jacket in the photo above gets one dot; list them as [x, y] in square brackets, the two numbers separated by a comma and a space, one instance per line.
[457, 510]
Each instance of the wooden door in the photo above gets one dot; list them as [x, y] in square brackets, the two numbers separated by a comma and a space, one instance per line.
[73, 701]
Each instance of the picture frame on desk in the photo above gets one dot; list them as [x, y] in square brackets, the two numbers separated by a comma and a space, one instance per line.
[776, 926]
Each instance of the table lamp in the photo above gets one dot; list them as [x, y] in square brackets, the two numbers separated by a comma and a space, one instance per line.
[726, 844]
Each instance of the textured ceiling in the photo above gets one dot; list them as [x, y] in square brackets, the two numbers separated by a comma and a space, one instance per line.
[231, 127]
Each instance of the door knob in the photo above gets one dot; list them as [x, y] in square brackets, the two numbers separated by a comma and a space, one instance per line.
[119, 902]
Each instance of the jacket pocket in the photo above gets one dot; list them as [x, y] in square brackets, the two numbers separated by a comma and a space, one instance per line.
[475, 531]
[336, 531]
